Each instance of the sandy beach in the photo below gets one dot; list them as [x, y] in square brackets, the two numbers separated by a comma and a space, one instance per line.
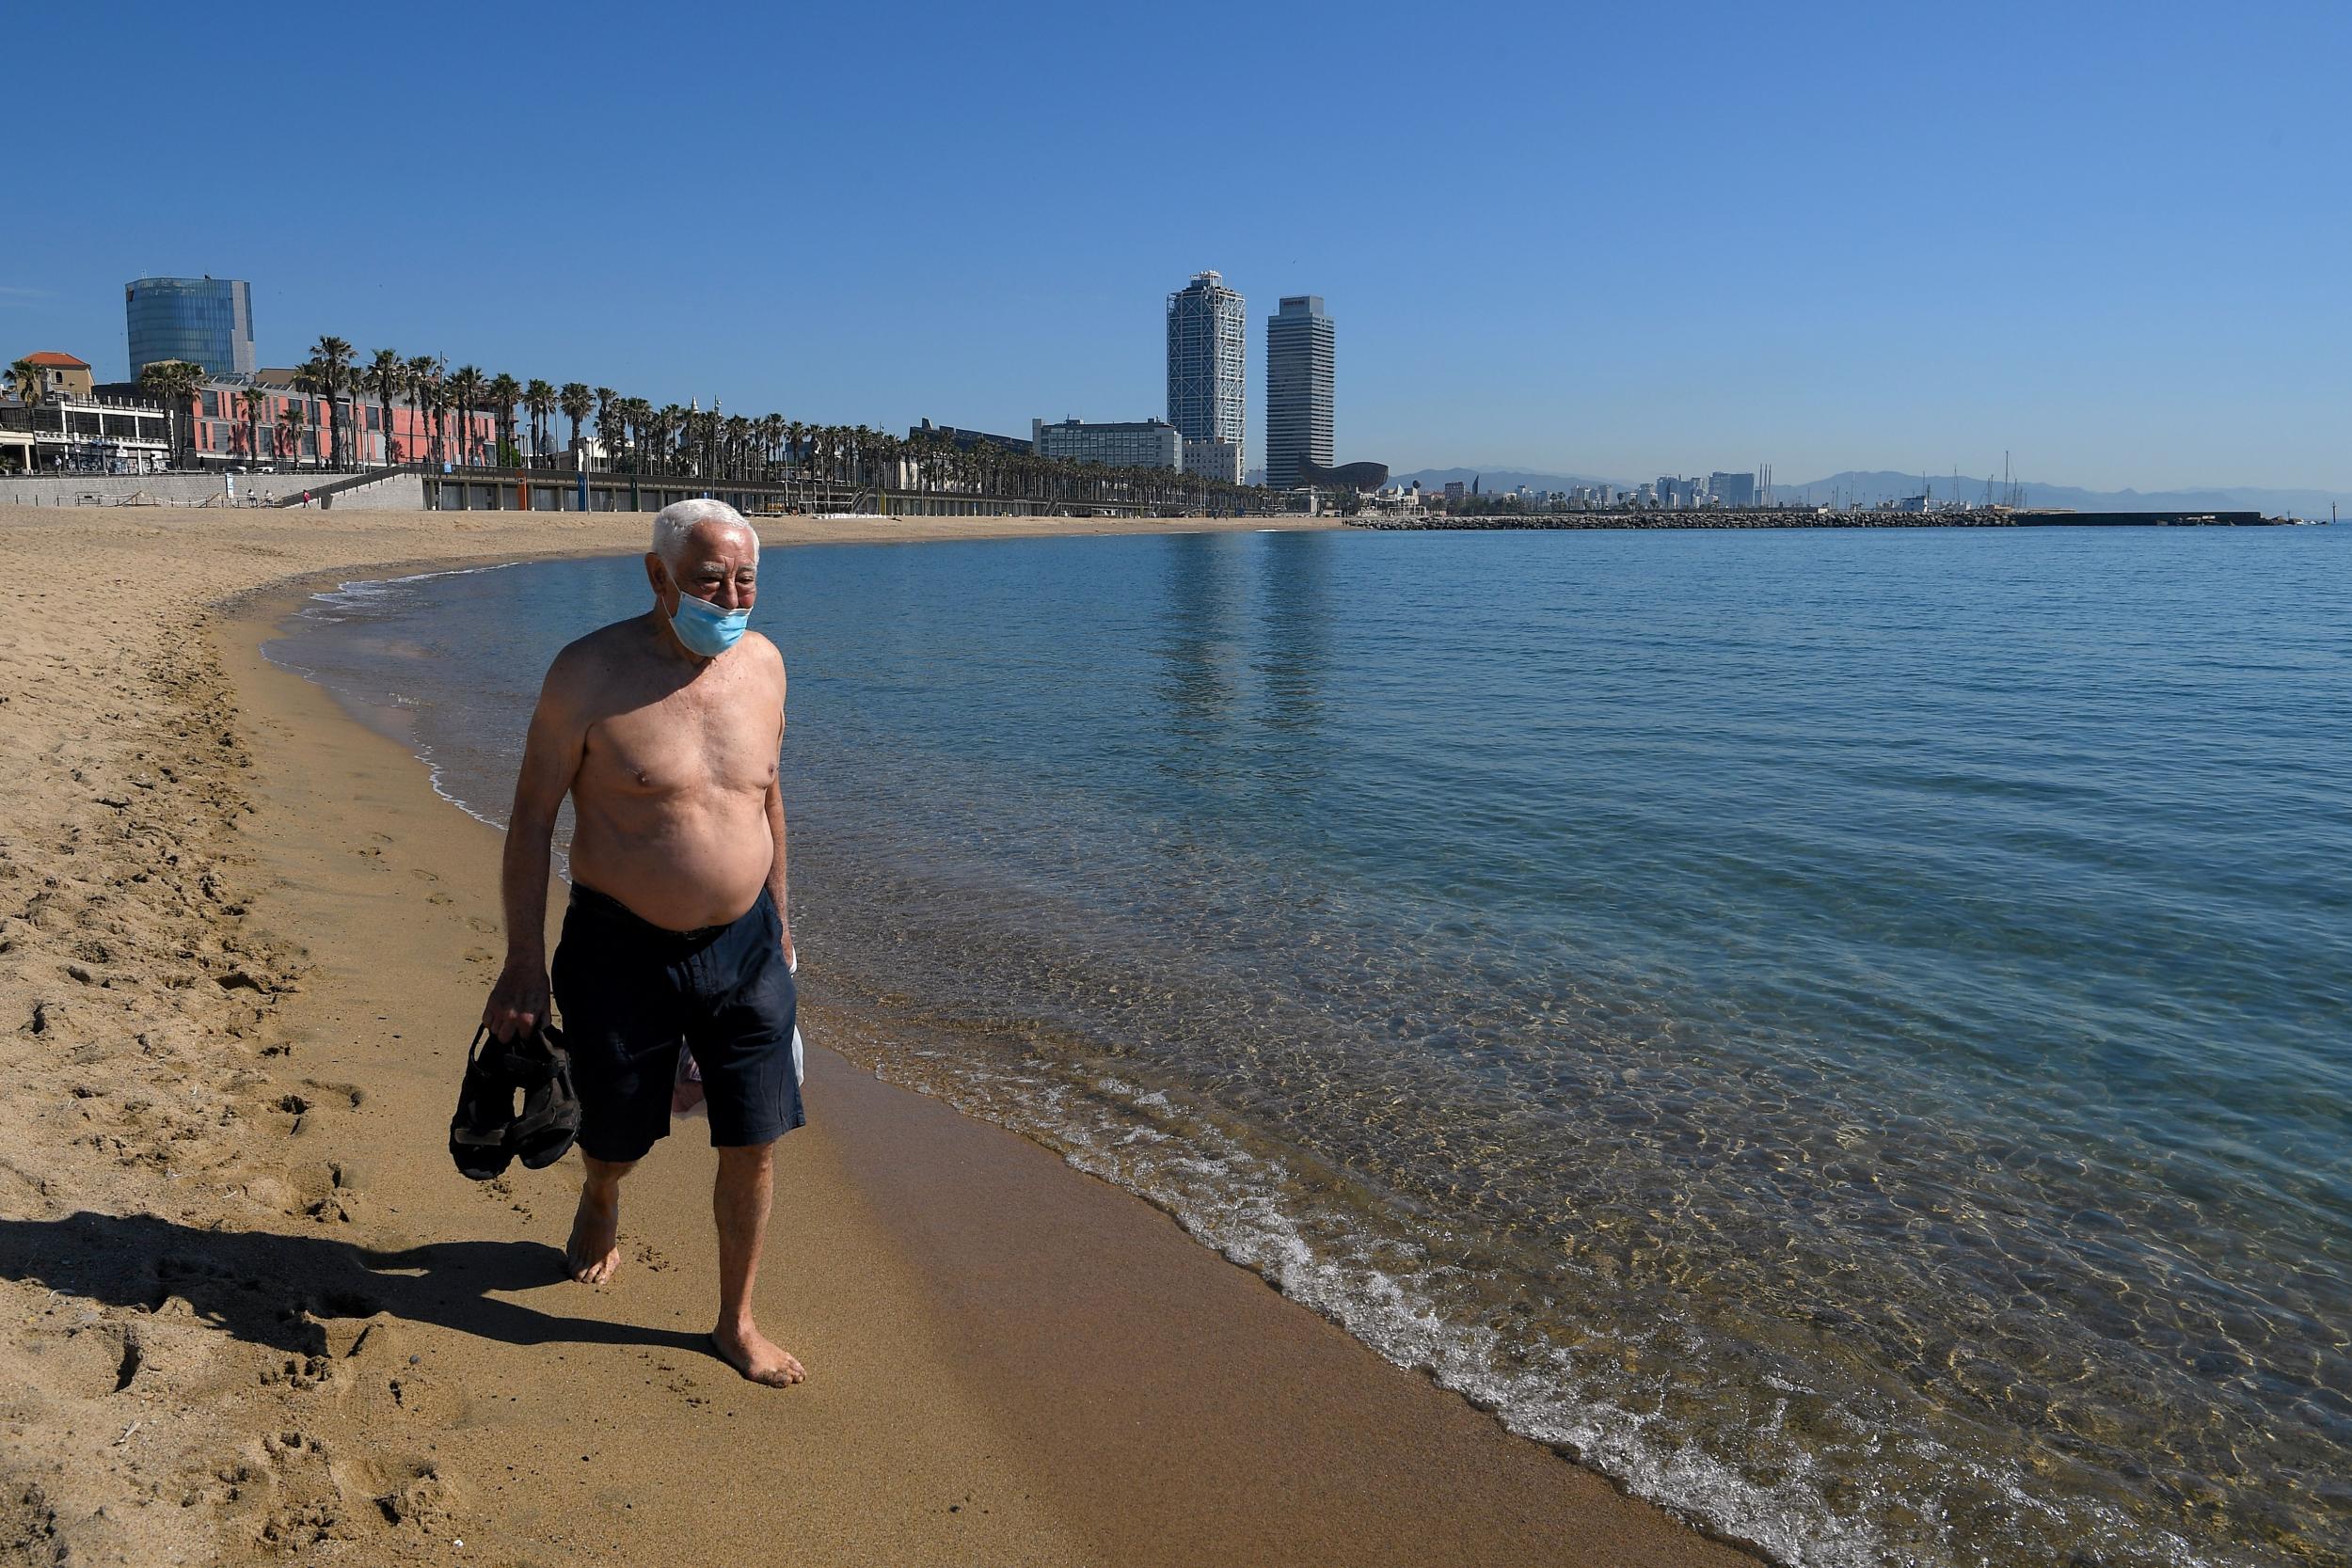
[255, 1315]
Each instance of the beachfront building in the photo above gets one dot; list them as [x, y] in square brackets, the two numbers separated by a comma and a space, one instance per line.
[967, 440]
[205, 321]
[1132, 444]
[1363, 478]
[264, 420]
[62, 375]
[1218, 460]
[1208, 341]
[1298, 371]
[84, 432]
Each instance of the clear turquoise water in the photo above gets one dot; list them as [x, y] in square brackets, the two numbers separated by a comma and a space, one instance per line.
[1845, 1032]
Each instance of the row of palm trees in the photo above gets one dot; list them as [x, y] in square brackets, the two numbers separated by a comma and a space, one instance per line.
[633, 436]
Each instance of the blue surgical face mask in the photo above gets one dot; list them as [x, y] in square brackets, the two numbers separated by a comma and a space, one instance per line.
[707, 629]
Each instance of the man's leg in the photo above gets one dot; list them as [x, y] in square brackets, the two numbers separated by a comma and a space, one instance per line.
[595, 1249]
[739, 1200]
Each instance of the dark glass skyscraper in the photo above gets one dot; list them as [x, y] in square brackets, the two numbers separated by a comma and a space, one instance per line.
[204, 321]
[1298, 353]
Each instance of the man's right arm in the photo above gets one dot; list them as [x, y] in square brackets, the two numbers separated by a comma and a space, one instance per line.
[551, 753]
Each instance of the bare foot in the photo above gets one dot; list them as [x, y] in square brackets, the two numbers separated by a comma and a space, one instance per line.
[594, 1250]
[749, 1352]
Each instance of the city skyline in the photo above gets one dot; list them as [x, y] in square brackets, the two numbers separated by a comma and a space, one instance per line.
[1896, 249]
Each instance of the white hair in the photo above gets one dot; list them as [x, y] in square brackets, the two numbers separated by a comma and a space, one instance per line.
[674, 524]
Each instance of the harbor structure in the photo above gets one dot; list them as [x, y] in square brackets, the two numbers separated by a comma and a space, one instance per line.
[1208, 341]
[207, 322]
[1130, 444]
[1298, 378]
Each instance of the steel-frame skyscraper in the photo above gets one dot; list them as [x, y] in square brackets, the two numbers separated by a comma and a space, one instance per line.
[1208, 343]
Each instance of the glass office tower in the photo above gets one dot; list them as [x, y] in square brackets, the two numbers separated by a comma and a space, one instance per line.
[204, 321]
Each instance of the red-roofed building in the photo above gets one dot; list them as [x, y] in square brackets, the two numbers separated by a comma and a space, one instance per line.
[62, 374]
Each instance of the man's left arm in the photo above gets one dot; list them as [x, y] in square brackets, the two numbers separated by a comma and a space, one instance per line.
[775, 867]
[775, 829]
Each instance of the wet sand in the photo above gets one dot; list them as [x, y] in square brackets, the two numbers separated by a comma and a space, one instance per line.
[255, 1313]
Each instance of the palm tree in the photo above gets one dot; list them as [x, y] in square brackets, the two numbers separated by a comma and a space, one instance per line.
[504, 391]
[608, 423]
[605, 426]
[466, 388]
[539, 397]
[254, 400]
[310, 379]
[330, 364]
[771, 438]
[424, 379]
[669, 423]
[385, 375]
[289, 425]
[578, 403]
[25, 378]
[176, 383]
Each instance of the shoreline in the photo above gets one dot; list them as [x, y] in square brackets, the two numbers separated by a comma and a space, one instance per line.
[1011, 1360]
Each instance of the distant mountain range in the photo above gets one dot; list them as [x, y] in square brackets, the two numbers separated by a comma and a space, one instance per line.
[1885, 484]
[1870, 487]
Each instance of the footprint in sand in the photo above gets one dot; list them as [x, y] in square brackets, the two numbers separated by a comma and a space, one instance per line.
[352, 1093]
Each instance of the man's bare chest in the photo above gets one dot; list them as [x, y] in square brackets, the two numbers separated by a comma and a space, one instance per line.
[686, 743]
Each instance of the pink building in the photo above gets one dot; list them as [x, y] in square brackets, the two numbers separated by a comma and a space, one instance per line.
[289, 427]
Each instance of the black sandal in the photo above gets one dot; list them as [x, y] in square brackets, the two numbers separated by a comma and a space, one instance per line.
[486, 1107]
[550, 1118]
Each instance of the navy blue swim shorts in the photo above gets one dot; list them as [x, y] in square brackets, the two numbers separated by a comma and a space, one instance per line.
[632, 993]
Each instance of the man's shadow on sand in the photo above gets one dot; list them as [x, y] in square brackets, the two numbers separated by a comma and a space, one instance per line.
[278, 1291]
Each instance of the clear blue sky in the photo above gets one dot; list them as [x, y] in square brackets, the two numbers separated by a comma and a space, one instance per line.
[2111, 238]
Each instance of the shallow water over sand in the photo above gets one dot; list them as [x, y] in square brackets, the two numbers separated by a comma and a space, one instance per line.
[1845, 1031]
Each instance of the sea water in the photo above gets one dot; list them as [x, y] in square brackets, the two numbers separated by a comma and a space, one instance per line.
[1849, 1033]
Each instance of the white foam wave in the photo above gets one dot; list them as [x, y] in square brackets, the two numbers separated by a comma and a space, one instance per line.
[1233, 1199]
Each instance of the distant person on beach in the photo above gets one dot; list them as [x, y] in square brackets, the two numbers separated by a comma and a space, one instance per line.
[664, 729]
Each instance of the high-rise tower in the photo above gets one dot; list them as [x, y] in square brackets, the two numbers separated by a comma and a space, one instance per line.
[1298, 345]
[204, 321]
[1207, 356]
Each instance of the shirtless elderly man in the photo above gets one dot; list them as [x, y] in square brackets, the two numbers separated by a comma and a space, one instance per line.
[665, 731]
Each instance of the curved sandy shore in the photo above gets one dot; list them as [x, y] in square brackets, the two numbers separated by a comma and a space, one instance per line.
[254, 1315]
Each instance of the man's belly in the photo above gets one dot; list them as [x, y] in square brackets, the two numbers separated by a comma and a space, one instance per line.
[679, 869]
